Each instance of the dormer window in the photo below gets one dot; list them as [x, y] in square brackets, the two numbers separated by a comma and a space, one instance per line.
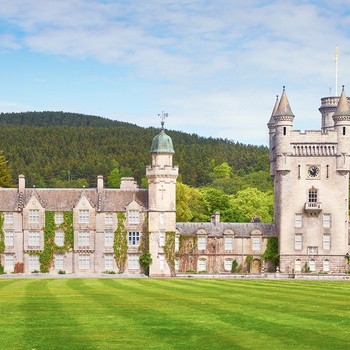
[133, 217]
[84, 216]
[33, 216]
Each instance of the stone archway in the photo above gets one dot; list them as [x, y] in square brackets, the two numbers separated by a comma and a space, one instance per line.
[255, 266]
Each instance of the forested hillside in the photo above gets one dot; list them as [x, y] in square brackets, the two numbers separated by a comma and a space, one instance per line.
[49, 147]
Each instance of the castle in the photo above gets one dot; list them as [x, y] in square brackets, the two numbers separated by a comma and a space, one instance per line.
[96, 230]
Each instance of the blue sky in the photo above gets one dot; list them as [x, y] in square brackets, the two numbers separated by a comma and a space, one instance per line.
[214, 66]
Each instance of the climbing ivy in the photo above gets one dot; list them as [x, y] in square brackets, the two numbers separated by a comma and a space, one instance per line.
[145, 258]
[169, 250]
[50, 247]
[120, 245]
[2, 240]
[271, 251]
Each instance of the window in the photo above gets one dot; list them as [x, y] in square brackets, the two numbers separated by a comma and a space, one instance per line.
[312, 250]
[133, 262]
[313, 195]
[134, 238]
[8, 238]
[312, 265]
[228, 243]
[8, 218]
[109, 239]
[202, 243]
[34, 239]
[297, 265]
[59, 238]
[9, 266]
[84, 239]
[176, 262]
[326, 265]
[298, 242]
[327, 220]
[133, 217]
[161, 262]
[34, 264]
[59, 261]
[33, 216]
[59, 218]
[161, 218]
[177, 243]
[228, 264]
[161, 238]
[202, 265]
[326, 242]
[109, 219]
[84, 216]
[298, 220]
[109, 262]
[256, 243]
[84, 261]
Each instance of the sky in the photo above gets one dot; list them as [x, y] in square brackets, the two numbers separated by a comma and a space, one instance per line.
[214, 66]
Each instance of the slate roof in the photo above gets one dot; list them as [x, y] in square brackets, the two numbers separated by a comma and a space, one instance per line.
[239, 229]
[61, 199]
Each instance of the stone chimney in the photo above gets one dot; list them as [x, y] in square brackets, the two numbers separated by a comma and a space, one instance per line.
[215, 218]
[21, 183]
[128, 183]
[99, 183]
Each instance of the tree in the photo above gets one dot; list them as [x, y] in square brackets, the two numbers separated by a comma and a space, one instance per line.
[5, 172]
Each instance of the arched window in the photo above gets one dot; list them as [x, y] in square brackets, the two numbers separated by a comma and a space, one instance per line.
[326, 265]
[297, 265]
[312, 265]
[312, 195]
[228, 264]
[202, 265]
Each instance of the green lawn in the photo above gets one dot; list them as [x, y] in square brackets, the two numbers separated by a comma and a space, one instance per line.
[173, 314]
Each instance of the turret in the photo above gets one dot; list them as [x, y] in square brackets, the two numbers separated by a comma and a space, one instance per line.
[283, 118]
[341, 119]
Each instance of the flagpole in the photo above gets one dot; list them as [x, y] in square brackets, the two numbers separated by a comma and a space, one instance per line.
[336, 70]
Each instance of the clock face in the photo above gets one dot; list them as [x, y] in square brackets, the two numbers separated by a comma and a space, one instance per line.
[313, 171]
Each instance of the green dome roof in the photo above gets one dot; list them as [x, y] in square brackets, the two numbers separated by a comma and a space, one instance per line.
[162, 143]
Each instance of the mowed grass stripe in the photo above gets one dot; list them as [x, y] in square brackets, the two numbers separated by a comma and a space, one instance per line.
[175, 314]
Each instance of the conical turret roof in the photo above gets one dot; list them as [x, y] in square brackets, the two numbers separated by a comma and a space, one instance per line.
[343, 109]
[284, 109]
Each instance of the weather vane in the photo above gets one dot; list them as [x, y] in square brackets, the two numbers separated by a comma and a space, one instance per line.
[162, 118]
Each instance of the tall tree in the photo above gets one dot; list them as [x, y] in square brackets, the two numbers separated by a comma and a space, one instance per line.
[5, 172]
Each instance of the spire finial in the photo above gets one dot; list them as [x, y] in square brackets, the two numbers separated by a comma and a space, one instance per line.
[276, 97]
[162, 118]
[342, 87]
[284, 88]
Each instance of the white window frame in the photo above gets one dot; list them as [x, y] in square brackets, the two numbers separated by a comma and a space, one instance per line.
[298, 242]
[9, 262]
[84, 239]
[161, 238]
[109, 262]
[33, 216]
[228, 264]
[327, 220]
[59, 261]
[312, 265]
[298, 220]
[161, 262]
[34, 263]
[133, 238]
[84, 216]
[84, 261]
[202, 264]
[108, 218]
[133, 262]
[326, 242]
[9, 238]
[34, 239]
[297, 265]
[8, 218]
[326, 265]
[109, 238]
[133, 217]
[177, 243]
[228, 243]
[256, 243]
[59, 219]
[59, 238]
[202, 242]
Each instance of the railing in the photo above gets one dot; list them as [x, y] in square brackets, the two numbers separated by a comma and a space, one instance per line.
[313, 206]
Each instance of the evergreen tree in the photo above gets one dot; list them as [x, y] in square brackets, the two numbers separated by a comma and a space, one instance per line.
[5, 172]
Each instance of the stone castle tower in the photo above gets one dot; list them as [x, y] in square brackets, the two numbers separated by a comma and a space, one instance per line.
[311, 185]
[162, 177]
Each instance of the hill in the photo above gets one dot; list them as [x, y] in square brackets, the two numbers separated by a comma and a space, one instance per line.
[51, 146]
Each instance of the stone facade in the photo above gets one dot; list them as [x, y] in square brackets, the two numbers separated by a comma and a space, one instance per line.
[311, 184]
